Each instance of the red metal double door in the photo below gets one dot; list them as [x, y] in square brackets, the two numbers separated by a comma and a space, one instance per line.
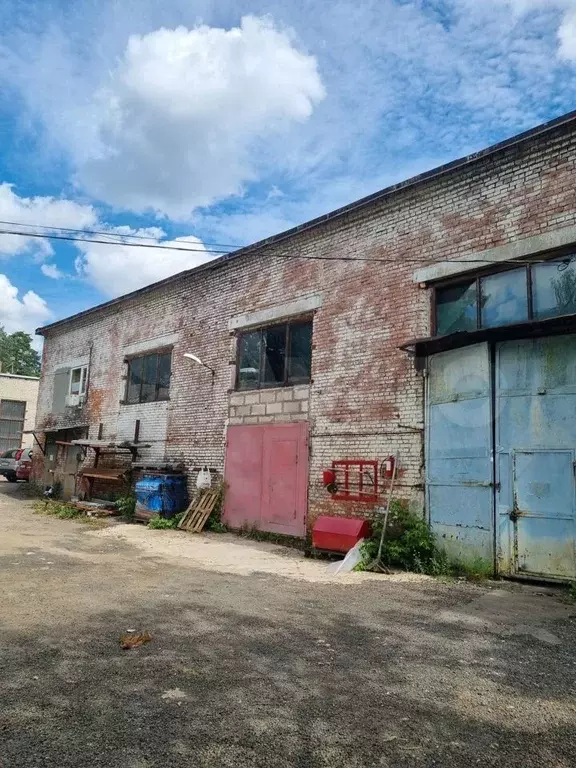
[266, 473]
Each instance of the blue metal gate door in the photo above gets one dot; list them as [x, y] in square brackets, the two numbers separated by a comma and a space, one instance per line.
[459, 469]
[535, 442]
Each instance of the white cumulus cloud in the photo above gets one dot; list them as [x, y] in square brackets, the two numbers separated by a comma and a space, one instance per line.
[153, 111]
[52, 271]
[123, 266]
[21, 314]
[35, 212]
[181, 121]
[118, 269]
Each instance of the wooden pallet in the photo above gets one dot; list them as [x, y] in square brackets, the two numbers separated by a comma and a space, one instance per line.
[197, 514]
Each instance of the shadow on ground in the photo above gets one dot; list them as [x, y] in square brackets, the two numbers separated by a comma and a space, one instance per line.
[259, 672]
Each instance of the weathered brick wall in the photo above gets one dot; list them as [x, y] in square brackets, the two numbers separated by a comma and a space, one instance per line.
[23, 389]
[366, 399]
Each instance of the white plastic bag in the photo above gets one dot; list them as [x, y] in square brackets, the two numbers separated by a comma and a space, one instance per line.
[351, 560]
[204, 479]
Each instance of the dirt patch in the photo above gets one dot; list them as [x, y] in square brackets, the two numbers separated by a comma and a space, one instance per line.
[254, 668]
[227, 553]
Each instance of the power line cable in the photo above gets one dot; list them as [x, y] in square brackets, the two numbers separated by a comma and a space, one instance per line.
[70, 238]
[293, 256]
[104, 232]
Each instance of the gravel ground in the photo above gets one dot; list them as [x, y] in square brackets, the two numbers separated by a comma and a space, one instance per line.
[259, 660]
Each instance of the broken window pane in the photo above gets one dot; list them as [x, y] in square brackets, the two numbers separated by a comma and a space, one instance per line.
[456, 309]
[554, 289]
[149, 375]
[504, 298]
[164, 371]
[249, 360]
[274, 340]
[300, 352]
[134, 380]
[265, 361]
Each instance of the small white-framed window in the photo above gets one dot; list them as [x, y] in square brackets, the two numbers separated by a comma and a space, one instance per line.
[78, 380]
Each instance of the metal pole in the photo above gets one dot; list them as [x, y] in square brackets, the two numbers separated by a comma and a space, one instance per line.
[387, 513]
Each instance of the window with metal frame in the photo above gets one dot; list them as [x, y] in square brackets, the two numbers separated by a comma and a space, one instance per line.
[148, 378]
[554, 289]
[532, 291]
[12, 413]
[275, 356]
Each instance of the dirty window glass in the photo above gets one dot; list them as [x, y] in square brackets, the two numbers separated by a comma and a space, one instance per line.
[275, 356]
[134, 380]
[11, 424]
[249, 360]
[274, 340]
[300, 352]
[456, 308]
[554, 289]
[164, 366]
[504, 298]
[12, 409]
[149, 376]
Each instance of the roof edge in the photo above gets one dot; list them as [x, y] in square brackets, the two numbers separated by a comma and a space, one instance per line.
[421, 178]
[7, 375]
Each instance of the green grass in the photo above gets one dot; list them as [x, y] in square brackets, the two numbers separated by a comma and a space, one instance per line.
[65, 511]
[477, 569]
[159, 523]
[410, 545]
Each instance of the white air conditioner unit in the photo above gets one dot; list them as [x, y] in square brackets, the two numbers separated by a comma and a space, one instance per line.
[72, 401]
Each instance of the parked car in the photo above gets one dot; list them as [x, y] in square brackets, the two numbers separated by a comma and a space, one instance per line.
[24, 466]
[10, 461]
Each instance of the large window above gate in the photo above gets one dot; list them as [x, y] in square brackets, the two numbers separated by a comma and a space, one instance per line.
[275, 356]
[529, 292]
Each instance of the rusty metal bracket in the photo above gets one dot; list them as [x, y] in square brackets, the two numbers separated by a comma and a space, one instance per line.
[42, 448]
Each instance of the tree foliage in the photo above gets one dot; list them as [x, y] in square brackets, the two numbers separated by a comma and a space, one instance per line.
[17, 355]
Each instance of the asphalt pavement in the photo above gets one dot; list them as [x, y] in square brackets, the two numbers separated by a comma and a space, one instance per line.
[267, 669]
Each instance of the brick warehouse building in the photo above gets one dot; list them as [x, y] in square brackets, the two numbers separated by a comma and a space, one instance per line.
[388, 327]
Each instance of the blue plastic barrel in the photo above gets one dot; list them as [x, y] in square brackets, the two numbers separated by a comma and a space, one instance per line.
[175, 495]
[164, 495]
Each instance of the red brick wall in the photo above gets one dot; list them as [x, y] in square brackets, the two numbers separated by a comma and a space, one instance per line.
[366, 400]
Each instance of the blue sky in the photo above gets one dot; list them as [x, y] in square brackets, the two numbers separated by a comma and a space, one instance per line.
[224, 121]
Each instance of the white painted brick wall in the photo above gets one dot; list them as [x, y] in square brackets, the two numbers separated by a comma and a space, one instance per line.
[153, 427]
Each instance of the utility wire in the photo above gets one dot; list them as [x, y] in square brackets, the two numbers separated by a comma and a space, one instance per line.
[103, 232]
[292, 256]
[70, 238]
